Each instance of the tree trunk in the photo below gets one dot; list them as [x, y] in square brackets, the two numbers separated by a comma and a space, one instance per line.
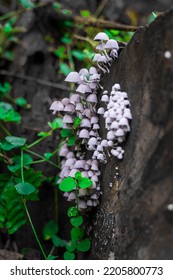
[133, 220]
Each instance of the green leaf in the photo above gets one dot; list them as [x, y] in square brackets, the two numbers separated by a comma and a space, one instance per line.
[78, 175]
[85, 13]
[57, 123]
[48, 155]
[8, 114]
[21, 101]
[64, 69]
[67, 40]
[27, 160]
[67, 184]
[66, 12]
[71, 141]
[44, 134]
[66, 133]
[77, 221]
[60, 52]
[57, 6]
[25, 188]
[6, 146]
[77, 233]
[80, 55]
[58, 242]
[16, 141]
[26, 4]
[72, 211]
[50, 229]
[71, 246]
[51, 257]
[77, 123]
[69, 256]
[85, 183]
[84, 245]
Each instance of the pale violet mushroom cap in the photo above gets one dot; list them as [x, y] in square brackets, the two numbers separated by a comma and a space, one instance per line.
[101, 36]
[73, 77]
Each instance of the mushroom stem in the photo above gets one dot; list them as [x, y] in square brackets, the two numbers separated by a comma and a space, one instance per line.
[101, 68]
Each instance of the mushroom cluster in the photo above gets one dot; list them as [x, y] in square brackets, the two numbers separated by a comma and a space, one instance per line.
[82, 106]
[73, 162]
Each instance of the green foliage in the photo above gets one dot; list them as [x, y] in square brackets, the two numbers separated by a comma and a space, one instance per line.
[50, 230]
[84, 245]
[8, 114]
[24, 188]
[68, 184]
[27, 4]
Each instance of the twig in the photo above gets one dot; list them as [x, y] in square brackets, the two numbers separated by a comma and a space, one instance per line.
[104, 23]
[34, 80]
[9, 160]
[100, 8]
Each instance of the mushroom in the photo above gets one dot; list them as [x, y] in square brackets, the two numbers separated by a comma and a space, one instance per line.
[84, 134]
[57, 106]
[73, 77]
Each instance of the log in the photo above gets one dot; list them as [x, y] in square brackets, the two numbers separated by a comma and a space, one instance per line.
[133, 220]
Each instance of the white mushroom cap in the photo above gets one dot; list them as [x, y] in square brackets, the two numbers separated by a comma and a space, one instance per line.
[100, 148]
[73, 172]
[110, 135]
[63, 151]
[116, 87]
[57, 106]
[83, 192]
[119, 132]
[83, 88]
[69, 162]
[100, 157]
[127, 114]
[123, 122]
[84, 72]
[79, 164]
[82, 204]
[75, 98]
[84, 133]
[69, 108]
[94, 178]
[79, 107]
[92, 141]
[96, 126]
[115, 125]
[92, 70]
[70, 155]
[104, 143]
[94, 120]
[112, 44]
[65, 101]
[72, 196]
[85, 123]
[67, 119]
[89, 202]
[101, 36]
[73, 77]
[92, 98]
[101, 111]
[105, 98]
[110, 143]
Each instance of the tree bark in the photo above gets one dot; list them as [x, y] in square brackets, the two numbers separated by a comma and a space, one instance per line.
[133, 221]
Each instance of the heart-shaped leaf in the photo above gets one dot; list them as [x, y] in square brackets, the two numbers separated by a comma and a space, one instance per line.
[85, 183]
[25, 188]
[67, 184]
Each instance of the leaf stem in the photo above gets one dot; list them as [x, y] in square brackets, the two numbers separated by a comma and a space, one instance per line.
[22, 175]
[33, 153]
[4, 129]
[33, 229]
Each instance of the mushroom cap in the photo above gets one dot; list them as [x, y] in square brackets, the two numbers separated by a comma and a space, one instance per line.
[82, 204]
[127, 114]
[105, 98]
[104, 143]
[92, 98]
[116, 87]
[73, 172]
[101, 36]
[119, 132]
[72, 196]
[79, 164]
[101, 111]
[83, 88]
[69, 108]
[63, 152]
[69, 162]
[73, 77]
[96, 126]
[110, 143]
[100, 157]
[83, 192]
[85, 123]
[99, 58]
[79, 107]
[94, 178]
[100, 46]
[65, 101]
[94, 120]
[67, 119]
[92, 141]
[89, 202]
[114, 153]
[87, 113]
[70, 155]
[84, 72]
[123, 122]
[100, 148]
[114, 125]
[57, 106]
[112, 44]
[75, 98]
[84, 134]
[93, 70]
[110, 135]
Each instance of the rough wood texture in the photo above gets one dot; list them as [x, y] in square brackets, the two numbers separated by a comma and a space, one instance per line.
[132, 221]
